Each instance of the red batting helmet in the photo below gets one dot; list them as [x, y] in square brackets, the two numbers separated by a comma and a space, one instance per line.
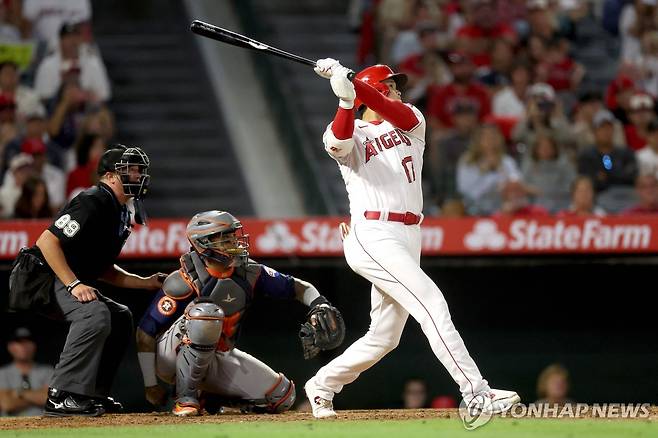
[375, 75]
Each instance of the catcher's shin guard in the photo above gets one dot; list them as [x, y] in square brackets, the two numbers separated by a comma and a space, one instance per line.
[281, 396]
[203, 327]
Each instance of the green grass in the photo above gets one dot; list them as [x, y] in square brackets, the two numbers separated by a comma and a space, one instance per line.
[499, 428]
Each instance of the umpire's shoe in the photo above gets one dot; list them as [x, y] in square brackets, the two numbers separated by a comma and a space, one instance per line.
[66, 404]
[110, 405]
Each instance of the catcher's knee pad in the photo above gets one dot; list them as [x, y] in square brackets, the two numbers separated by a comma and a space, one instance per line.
[203, 327]
[203, 324]
[281, 396]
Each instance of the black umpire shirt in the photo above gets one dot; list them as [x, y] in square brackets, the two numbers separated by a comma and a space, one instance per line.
[92, 229]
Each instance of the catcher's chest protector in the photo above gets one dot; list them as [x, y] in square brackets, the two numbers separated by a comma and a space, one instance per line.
[234, 296]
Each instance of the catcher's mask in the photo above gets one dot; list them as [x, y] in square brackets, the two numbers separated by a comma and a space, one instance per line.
[131, 164]
[219, 236]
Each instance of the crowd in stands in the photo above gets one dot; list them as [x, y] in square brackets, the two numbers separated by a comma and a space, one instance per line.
[54, 122]
[516, 126]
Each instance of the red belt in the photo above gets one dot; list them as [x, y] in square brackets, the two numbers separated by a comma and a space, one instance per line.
[407, 218]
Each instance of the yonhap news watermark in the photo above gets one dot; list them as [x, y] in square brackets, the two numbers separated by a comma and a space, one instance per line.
[479, 412]
[578, 410]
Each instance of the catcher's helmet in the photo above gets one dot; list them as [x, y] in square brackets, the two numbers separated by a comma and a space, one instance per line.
[218, 235]
[375, 75]
[120, 159]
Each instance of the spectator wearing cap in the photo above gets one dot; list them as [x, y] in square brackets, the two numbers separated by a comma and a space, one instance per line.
[548, 174]
[646, 189]
[544, 116]
[589, 103]
[444, 154]
[46, 17]
[20, 169]
[510, 101]
[618, 97]
[516, 202]
[482, 28]
[23, 382]
[647, 157]
[441, 99]
[641, 112]
[483, 171]
[24, 97]
[54, 177]
[582, 199]
[33, 202]
[35, 127]
[612, 169]
[69, 60]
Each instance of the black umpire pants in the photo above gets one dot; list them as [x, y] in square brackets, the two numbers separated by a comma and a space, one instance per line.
[99, 334]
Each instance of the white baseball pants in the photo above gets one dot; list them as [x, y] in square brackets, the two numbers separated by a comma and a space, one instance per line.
[388, 255]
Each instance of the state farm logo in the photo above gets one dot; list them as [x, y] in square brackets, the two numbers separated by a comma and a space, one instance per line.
[533, 235]
[277, 237]
[485, 235]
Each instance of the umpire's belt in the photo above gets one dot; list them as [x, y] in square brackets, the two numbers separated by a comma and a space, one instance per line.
[407, 218]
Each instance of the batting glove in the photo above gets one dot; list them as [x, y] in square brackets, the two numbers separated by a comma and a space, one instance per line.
[343, 88]
[324, 67]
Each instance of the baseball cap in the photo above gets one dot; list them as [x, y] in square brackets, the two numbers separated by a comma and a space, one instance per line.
[603, 116]
[20, 334]
[20, 160]
[640, 101]
[542, 90]
[68, 28]
[33, 109]
[33, 146]
[109, 159]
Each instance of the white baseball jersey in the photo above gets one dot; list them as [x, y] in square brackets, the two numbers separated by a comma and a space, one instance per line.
[381, 166]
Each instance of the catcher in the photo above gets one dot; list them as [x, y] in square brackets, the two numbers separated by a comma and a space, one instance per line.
[188, 334]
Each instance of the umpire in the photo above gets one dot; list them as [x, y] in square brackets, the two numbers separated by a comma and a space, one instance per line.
[81, 247]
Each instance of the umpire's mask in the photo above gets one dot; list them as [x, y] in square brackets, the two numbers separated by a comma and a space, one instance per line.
[133, 167]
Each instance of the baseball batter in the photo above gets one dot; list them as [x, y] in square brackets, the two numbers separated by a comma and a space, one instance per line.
[187, 336]
[380, 156]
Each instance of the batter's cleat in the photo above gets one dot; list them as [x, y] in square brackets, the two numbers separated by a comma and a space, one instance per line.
[497, 400]
[322, 407]
[110, 405]
[185, 409]
[66, 404]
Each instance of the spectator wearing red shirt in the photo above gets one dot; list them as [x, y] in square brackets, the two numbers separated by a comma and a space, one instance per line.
[558, 69]
[582, 199]
[482, 28]
[442, 99]
[618, 97]
[89, 149]
[516, 202]
[646, 187]
[641, 112]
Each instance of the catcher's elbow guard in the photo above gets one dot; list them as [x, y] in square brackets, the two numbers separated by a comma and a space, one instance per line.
[176, 287]
[281, 396]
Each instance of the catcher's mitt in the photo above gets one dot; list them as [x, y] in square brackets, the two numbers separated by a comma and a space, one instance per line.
[323, 330]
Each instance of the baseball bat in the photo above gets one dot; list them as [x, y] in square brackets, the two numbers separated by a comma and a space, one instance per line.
[235, 39]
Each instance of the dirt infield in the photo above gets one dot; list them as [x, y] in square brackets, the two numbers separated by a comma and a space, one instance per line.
[229, 417]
